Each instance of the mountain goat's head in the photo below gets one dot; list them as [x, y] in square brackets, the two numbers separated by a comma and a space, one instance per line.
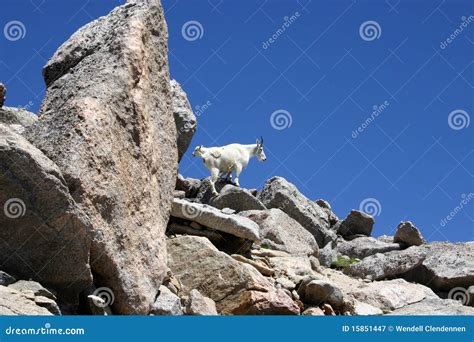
[260, 154]
[197, 151]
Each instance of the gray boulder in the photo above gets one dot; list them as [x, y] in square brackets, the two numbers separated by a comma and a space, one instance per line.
[390, 264]
[236, 198]
[214, 218]
[355, 223]
[33, 286]
[205, 193]
[318, 292]
[6, 279]
[18, 119]
[362, 247]
[107, 122]
[327, 255]
[281, 232]
[279, 193]
[45, 235]
[408, 235]
[183, 116]
[446, 266]
[237, 288]
[198, 305]
[332, 217]
[190, 186]
[166, 304]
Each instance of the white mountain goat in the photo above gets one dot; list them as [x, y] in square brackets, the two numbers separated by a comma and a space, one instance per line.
[230, 158]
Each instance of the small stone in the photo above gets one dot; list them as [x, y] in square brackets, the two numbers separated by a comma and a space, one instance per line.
[6, 279]
[198, 305]
[167, 304]
[408, 235]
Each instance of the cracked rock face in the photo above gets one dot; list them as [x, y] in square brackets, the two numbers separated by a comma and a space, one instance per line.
[44, 234]
[184, 117]
[107, 122]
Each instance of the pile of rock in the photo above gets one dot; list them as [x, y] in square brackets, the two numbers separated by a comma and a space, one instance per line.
[96, 219]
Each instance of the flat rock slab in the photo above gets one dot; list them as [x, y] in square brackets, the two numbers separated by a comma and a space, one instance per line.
[391, 294]
[390, 264]
[279, 231]
[362, 247]
[434, 307]
[14, 302]
[214, 218]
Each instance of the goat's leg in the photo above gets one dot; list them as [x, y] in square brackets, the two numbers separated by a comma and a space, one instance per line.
[214, 178]
[238, 170]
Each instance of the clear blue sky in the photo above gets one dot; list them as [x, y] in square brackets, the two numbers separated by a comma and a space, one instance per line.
[328, 78]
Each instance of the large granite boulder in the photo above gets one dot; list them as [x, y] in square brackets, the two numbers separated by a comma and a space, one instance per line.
[236, 198]
[281, 232]
[365, 246]
[390, 264]
[446, 266]
[408, 235]
[14, 302]
[216, 219]
[183, 116]
[45, 236]
[107, 122]
[279, 193]
[356, 222]
[18, 119]
[237, 288]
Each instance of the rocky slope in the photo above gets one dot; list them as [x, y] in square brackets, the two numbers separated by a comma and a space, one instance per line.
[96, 219]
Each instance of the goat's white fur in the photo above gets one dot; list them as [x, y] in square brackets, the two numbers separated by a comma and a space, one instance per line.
[224, 160]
